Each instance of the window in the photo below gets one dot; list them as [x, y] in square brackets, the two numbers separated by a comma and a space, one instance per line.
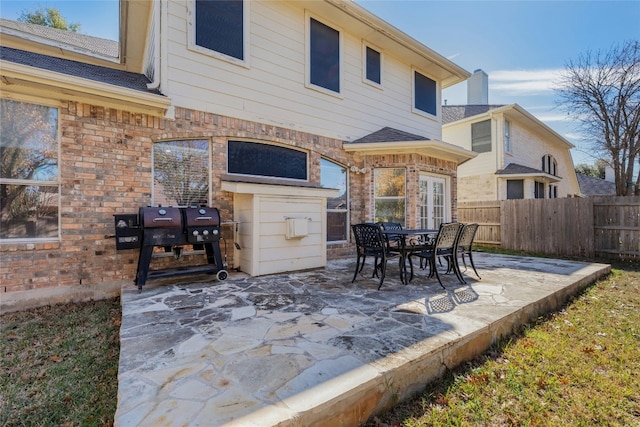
[424, 93]
[181, 173]
[507, 136]
[481, 136]
[539, 190]
[332, 175]
[553, 191]
[324, 56]
[29, 178]
[549, 165]
[515, 189]
[433, 201]
[252, 158]
[220, 27]
[373, 65]
[389, 195]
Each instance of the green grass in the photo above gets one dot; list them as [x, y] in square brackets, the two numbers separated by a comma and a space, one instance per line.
[59, 365]
[577, 367]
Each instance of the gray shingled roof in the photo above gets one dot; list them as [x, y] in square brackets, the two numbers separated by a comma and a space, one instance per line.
[97, 45]
[388, 134]
[453, 113]
[516, 169]
[120, 78]
[591, 186]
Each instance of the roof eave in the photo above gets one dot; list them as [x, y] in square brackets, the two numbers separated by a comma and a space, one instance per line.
[541, 175]
[82, 89]
[428, 147]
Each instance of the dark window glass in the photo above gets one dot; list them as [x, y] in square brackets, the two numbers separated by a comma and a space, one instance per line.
[481, 136]
[251, 158]
[515, 189]
[324, 56]
[373, 65]
[539, 190]
[219, 26]
[425, 94]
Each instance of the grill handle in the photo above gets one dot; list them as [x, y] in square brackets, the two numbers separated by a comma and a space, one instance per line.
[162, 219]
[203, 218]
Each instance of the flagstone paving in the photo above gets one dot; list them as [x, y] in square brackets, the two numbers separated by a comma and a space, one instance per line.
[313, 349]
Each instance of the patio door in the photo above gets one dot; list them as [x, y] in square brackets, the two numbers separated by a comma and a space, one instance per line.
[433, 201]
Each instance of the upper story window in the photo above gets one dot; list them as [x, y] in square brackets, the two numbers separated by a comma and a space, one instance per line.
[481, 136]
[181, 172]
[252, 158]
[507, 136]
[389, 194]
[220, 28]
[373, 65]
[324, 56]
[333, 175]
[425, 94]
[29, 177]
[549, 165]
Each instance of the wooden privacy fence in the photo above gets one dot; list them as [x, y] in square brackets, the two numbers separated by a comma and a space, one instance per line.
[573, 227]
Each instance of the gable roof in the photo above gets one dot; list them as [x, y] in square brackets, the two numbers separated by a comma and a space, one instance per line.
[124, 79]
[52, 36]
[591, 186]
[388, 134]
[394, 141]
[514, 170]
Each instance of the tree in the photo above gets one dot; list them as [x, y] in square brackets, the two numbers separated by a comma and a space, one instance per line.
[48, 17]
[596, 170]
[602, 91]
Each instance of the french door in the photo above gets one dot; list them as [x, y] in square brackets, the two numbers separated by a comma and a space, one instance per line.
[433, 201]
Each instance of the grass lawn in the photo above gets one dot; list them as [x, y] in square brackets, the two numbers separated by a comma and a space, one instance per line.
[578, 367]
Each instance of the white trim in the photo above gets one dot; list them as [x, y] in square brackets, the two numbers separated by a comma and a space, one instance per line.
[365, 80]
[246, 51]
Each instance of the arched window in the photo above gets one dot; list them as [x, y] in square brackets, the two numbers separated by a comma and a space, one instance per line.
[549, 165]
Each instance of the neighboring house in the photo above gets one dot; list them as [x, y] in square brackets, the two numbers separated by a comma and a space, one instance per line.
[592, 186]
[519, 157]
[267, 110]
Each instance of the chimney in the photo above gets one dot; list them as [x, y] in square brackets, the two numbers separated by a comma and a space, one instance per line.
[478, 88]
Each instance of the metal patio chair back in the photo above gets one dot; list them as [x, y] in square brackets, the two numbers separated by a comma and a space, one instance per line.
[370, 241]
[465, 246]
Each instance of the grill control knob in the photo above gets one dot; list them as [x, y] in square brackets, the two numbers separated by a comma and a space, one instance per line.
[202, 212]
[205, 232]
[195, 232]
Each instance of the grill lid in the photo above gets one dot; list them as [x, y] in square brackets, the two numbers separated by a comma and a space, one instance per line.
[160, 217]
[201, 217]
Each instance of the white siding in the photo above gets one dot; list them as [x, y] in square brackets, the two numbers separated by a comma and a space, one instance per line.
[272, 89]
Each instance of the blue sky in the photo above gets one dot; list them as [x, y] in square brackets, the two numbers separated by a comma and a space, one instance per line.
[521, 45]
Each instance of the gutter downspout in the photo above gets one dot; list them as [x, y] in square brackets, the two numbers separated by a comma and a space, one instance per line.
[155, 84]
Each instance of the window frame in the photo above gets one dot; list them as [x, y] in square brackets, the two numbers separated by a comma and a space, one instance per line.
[436, 101]
[474, 147]
[521, 189]
[57, 183]
[365, 65]
[269, 144]
[428, 221]
[193, 46]
[538, 190]
[154, 200]
[376, 197]
[507, 136]
[333, 210]
[308, 56]
[549, 165]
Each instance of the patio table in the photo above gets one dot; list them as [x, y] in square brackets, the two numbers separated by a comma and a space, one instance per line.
[408, 245]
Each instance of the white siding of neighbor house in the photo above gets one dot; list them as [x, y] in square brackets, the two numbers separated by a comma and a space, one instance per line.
[272, 88]
[477, 179]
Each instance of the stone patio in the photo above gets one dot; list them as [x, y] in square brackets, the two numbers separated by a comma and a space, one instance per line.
[313, 349]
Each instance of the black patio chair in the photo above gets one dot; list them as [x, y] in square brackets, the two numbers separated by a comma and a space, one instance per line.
[444, 247]
[393, 240]
[464, 247]
[370, 241]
